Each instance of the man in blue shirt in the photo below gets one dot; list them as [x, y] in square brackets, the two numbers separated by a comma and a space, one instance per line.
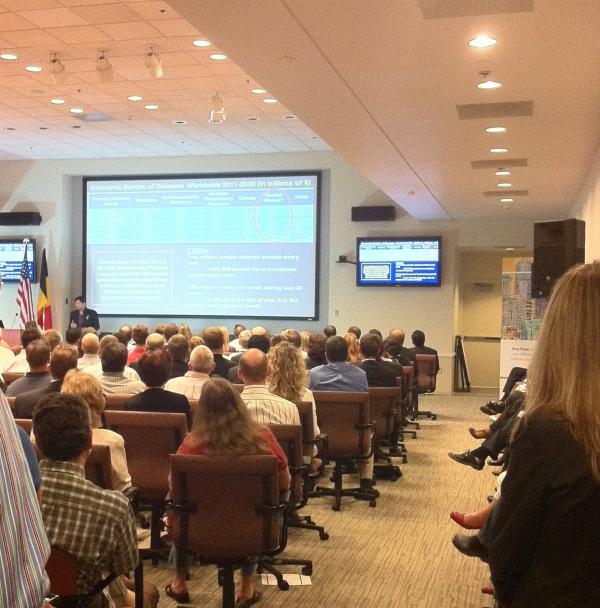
[339, 375]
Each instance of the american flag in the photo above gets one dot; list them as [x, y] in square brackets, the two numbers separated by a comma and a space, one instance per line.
[24, 297]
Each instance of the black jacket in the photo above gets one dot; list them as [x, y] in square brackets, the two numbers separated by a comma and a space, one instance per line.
[90, 318]
[160, 400]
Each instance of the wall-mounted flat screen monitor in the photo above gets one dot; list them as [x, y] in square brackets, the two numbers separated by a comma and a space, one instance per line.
[11, 260]
[398, 261]
[219, 245]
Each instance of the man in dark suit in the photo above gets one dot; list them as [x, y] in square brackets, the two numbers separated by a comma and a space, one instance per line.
[63, 359]
[179, 349]
[154, 368]
[419, 348]
[83, 316]
[379, 372]
[213, 338]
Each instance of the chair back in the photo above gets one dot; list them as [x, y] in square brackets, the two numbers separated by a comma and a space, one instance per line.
[193, 406]
[25, 423]
[10, 377]
[149, 439]
[62, 572]
[383, 406]
[305, 410]
[230, 505]
[238, 387]
[98, 468]
[408, 371]
[116, 402]
[427, 373]
[289, 437]
[11, 403]
[344, 418]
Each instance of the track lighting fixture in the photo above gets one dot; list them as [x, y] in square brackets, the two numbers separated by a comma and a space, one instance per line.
[103, 66]
[57, 69]
[153, 62]
[217, 111]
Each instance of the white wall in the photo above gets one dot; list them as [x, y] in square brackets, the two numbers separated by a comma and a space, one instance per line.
[587, 208]
[54, 188]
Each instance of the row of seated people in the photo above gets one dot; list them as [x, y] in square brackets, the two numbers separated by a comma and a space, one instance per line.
[155, 364]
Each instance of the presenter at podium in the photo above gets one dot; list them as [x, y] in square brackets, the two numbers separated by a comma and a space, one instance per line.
[82, 316]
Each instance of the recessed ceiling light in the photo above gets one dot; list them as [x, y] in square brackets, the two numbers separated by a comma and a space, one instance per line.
[496, 130]
[218, 56]
[504, 185]
[258, 91]
[489, 84]
[33, 68]
[502, 172]
[507, 200]
[269, 100]
[201, 43]
[76, 110]
[57, 101]
[290, 117]
[498, 150]
[179, 122]
[8, 56]
[482, 42]
[151, 106]
[135, 98]
[252, 118]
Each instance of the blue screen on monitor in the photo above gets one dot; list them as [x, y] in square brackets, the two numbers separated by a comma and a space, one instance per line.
[11, 259]
[389, 261]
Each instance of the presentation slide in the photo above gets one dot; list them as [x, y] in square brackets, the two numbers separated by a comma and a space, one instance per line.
[11, 260]
[398, 262]
[241, 246]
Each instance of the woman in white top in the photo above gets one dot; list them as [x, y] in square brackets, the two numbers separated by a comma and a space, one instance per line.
[89, 389]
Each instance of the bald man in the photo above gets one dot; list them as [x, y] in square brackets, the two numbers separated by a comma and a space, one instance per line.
[264, 407]
[201, 365]
[90, 345]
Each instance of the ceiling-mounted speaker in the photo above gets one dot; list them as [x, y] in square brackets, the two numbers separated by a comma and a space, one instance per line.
[376, 213]
[556, 247]
[20, 218]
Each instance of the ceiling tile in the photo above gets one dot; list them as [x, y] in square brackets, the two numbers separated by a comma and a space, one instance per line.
[53, 17]
[176, 27]
[29, 5]
[79, 34]
[106, 13]
[154, 10]
[30, 38]
[140, 30]
[12, 21]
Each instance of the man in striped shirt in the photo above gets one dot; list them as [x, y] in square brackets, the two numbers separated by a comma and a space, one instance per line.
[264, 407]
[113, 379]
[24, 548]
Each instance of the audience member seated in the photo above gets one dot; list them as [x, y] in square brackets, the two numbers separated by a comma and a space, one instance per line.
[154, 341]
[184, 330]
[170, 330]
[88, 388]
[498, 435]
[293, 337]
[122, 338]
[316, 351]
[353, 348]
[73, 337]
[329, 330]
[242, 344]
[354, 330]
[96, 526]
[96, 368]
[224, 427]
[32, 459]
[53, 337]
[419, 348]
[225, 333]
[379, 372]
[90, 345]
[139, 334]
[264, 406]
[213, 338]
[304, 337]
[261, 342]
[200, 366]
[25, 548]
[127, 331]
[178, 348]
[62, 359]
[376, 332]
[395, 349]
[160, 328]
[196, 340]
[113, 380]
[37, 354]
[258, 330]
[235, 345]
[20, 365]
[155, 367]
[339, 375]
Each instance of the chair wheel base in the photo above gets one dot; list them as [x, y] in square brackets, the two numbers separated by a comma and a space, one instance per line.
[324, 536]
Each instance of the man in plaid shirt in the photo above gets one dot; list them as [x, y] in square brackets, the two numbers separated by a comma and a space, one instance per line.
[95, 525]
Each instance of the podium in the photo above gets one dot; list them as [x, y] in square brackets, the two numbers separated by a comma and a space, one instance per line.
[11, 338]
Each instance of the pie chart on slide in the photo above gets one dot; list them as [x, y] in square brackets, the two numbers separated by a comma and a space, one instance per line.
[273, 216]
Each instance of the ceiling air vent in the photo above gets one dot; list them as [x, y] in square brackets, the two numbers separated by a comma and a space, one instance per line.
[95, 117]
[470, 111]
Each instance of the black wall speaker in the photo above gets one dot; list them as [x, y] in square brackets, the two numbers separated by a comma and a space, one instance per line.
[20, 218]
[556, 247]
[377, 213]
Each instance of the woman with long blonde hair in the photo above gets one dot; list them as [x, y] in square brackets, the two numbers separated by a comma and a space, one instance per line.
[544, 533]
[353, 348]
[225, 333]
[223, 427]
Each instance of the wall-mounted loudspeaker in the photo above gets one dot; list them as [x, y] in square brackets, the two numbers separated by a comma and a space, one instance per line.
[20, 218]
[377, 213]
[556, 247]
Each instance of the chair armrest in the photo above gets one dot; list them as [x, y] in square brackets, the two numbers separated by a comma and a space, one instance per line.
[131, 494]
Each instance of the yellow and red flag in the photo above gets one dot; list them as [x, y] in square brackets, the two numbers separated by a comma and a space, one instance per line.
[44, 310]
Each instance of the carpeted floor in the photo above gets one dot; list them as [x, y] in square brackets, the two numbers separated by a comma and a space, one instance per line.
[397, 554]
